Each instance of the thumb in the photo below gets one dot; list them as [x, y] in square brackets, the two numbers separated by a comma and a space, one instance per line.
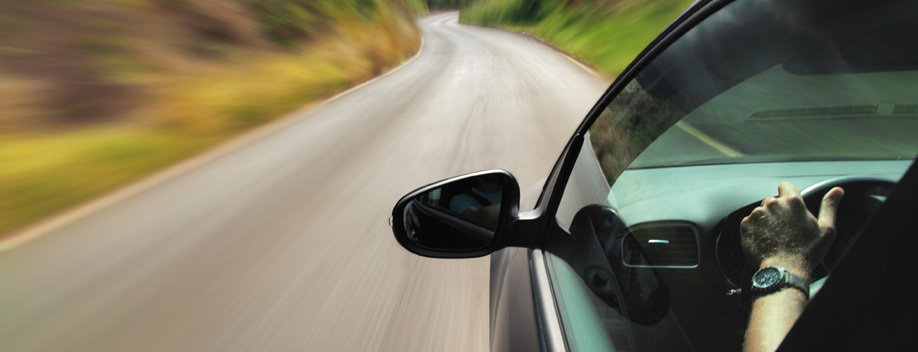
[829, 207]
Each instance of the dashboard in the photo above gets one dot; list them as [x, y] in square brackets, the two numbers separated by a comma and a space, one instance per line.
[670, 237]
[714, 199]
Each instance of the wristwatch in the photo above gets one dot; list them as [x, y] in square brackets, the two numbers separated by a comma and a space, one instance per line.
[774, 278]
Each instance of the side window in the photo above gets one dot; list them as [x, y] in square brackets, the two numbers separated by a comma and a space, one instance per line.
[647, 255]
[608, 285]
[631, 122]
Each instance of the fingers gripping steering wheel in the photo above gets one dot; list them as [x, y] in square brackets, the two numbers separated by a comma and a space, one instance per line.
[863, 196]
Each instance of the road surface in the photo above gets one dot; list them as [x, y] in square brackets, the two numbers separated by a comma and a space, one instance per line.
[283, 243]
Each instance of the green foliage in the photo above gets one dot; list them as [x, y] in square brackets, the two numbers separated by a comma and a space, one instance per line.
[445, 4]
[503, 12]
[604, 33]
[97, 96]
[94, 61]
[291, 21]
[627, 126]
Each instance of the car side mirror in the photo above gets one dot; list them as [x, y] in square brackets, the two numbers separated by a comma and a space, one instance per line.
[461, 217]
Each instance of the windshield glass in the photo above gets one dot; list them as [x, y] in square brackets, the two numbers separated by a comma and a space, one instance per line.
[773, 88]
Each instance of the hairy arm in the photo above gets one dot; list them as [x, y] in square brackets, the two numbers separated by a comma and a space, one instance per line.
[782, 232]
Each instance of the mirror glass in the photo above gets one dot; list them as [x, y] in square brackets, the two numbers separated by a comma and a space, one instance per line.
[460, 215]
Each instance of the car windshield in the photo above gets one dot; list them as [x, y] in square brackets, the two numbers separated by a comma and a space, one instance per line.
[766, 90]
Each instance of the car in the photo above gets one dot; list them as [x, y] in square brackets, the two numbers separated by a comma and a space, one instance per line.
[633, 241]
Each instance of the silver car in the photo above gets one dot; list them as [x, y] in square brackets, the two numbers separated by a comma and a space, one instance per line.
[633, 242]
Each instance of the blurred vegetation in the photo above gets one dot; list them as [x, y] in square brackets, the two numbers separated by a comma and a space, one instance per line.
[439, 5]
[97, 93]
[625, 128]
[607, 34]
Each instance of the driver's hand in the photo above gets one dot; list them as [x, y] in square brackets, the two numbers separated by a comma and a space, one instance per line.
[781, 231]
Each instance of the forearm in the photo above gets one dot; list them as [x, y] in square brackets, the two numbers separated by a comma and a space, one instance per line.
[772, 317]
[774, 314]
[781, 232]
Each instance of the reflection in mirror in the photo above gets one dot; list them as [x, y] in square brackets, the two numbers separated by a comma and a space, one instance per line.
[458, 216]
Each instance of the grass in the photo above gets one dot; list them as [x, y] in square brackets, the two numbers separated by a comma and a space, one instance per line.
[46, 171]
[608, 37]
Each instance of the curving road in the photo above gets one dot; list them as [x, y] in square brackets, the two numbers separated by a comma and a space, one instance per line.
[280, 242]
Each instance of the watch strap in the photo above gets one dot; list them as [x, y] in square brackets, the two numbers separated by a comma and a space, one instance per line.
[795, 281]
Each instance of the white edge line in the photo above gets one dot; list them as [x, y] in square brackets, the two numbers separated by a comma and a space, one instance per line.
[583, 66]
[69, 215]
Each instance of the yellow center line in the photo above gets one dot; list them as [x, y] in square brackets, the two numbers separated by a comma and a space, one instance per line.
[708, 140]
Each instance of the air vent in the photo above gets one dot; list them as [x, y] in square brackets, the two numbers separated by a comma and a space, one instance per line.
[905, 109]
[884, 109]
[662, 246]
[820, 111]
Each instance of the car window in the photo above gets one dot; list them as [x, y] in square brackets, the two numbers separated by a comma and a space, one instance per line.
[818, 93]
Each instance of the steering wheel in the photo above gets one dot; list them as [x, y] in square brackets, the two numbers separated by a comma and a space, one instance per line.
[863, 196]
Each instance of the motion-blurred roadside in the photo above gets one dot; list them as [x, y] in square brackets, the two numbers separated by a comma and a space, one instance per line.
[96, 93]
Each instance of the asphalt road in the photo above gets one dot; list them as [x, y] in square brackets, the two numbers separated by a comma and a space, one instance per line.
[282, 243]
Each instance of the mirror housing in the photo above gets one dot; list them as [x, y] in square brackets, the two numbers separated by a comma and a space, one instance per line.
[460, 217]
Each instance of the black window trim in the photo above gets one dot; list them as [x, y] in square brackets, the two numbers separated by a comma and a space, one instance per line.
[542, 218]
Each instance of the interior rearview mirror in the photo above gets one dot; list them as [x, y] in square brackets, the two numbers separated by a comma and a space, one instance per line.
[460, 217]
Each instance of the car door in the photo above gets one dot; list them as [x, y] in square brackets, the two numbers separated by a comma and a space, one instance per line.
[642, 251]
[514, 319]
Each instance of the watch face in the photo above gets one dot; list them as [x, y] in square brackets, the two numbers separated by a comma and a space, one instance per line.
[766, 277]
